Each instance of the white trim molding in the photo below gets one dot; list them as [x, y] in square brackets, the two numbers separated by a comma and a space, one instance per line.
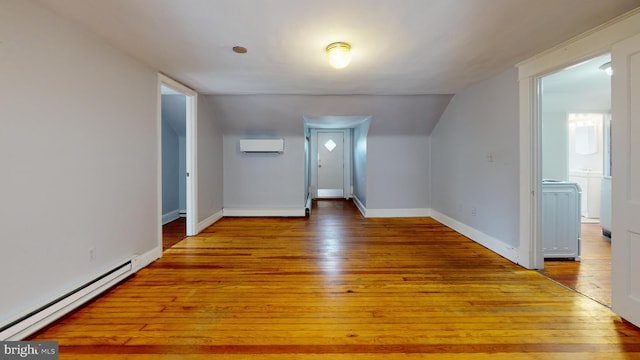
[170, 216]
[505, 250]
[144, 260]
[209, 221]
[385, 213]
[265, 212]
[399, 213]
[360, 206]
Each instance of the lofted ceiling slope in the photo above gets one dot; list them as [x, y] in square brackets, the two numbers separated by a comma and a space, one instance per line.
[405, 47]
[258, 115]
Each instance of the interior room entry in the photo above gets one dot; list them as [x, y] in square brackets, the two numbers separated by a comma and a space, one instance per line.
[330, 164]
[178, 174]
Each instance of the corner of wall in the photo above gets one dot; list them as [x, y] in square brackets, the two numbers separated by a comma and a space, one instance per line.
[209, 221]
[141, 261]
[501, 248]
[360, 205]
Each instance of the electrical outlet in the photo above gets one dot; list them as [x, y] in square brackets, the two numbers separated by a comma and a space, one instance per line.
[474, 212]
[92, 254]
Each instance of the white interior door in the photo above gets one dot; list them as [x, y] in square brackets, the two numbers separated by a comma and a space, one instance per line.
[625, 125]
[331, 164]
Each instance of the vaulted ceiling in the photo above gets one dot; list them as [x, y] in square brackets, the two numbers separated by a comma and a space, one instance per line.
[399, 47]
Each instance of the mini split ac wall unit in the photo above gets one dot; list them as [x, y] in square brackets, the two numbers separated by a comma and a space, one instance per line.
[262, 145]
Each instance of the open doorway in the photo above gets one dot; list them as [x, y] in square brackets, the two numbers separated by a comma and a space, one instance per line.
[335, 161]
[574, 115]
[331, 163]
[177, 117]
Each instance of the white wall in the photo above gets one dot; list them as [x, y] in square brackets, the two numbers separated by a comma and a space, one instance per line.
[480, 122]
[396, 158]
[210, 161]
[360, 162]
[283, 114]
[264, 180]
[170, 168]
[398, 172]
[555, 146]
[78, 152]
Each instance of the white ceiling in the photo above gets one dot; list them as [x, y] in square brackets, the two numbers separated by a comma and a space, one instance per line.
[399, 46]
[582, 87]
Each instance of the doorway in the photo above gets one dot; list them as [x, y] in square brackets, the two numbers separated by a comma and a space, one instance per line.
[177, 151]
[330, 163]
[621, 38]
[354, 131]
[574, 118]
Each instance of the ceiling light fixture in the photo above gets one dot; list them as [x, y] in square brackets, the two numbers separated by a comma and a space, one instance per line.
[239, 49]
[606, 67]
[339, 54]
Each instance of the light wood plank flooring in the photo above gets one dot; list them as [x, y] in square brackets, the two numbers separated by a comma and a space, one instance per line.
[338, 286]
[592, 275]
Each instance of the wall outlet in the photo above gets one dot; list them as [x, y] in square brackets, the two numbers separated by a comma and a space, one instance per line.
[474, 212]
[92, 254]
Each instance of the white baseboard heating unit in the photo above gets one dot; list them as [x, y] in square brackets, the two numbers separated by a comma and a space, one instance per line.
[48, 313]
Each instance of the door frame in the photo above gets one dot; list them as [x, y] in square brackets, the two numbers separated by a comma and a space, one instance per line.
[586, 46]
[191, 152]
[625, 299]
[313, 168]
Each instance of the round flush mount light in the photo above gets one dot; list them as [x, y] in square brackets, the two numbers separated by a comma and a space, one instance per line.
[339, 54]
[239, 49]
[606, 67]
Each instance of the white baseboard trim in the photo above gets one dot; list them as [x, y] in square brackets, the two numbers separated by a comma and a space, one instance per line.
[264, 212]
[142, 261]
[360, 206]
[209, 221]
[170, 216]
[381, 213]
[505, 250]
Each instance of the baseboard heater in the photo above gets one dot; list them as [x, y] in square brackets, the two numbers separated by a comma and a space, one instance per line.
[55, 309]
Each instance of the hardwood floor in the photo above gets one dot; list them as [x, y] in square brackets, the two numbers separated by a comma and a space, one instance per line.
[336, 285]
[174, 232]
[592, 275]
